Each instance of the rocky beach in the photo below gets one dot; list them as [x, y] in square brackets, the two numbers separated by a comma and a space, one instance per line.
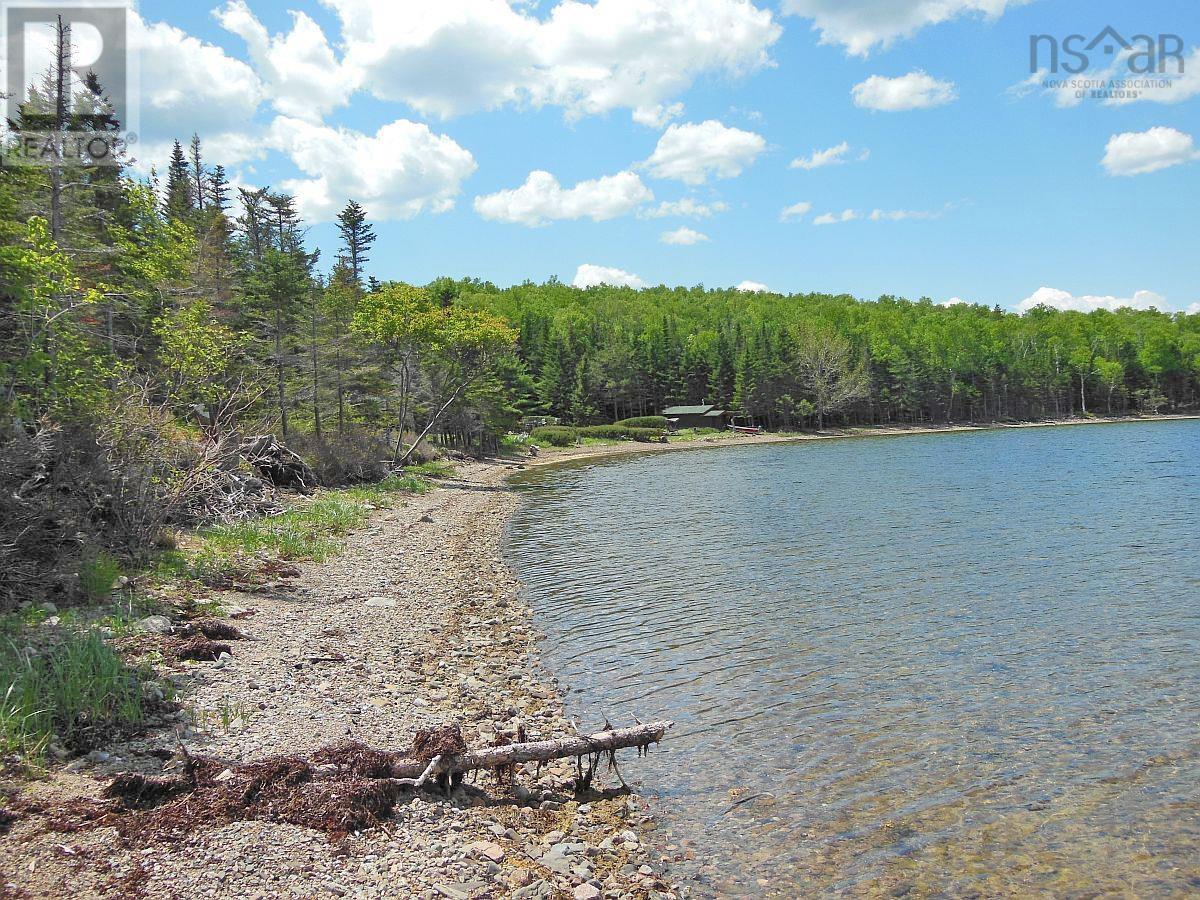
[418, 623]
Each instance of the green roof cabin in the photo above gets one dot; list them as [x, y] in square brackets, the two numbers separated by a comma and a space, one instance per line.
[704, 415]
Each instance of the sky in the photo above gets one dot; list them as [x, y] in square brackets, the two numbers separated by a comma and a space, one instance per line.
[867, 147]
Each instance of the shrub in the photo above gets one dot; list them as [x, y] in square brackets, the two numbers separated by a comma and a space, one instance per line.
[555, 436]
[79, 690]
[343, 459]
[621, 433]
[659, 422]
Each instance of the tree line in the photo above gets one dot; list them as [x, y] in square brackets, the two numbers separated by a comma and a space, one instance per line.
[605, 353]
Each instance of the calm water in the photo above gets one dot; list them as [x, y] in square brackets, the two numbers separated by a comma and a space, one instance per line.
[960, 664]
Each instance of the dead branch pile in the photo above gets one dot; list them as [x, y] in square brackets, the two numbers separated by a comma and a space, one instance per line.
[277, 464]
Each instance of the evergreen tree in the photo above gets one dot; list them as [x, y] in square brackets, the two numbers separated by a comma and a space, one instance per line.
[180, 198]
[357, 238]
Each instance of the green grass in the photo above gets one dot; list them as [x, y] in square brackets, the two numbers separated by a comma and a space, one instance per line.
[78, 692]
[437, 468]
[312, 530]
[98, 575]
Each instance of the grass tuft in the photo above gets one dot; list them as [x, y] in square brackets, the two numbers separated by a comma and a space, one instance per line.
[78, 692]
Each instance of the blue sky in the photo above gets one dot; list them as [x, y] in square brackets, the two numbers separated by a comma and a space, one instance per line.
[982, 193]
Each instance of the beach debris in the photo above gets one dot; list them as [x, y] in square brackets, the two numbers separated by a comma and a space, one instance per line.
[338, 789]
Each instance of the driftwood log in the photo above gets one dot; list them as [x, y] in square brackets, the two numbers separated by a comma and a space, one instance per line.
[447, 761]
[640, 736]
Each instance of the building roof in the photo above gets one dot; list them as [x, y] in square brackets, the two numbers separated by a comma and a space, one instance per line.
[714, 413]
[688, 410]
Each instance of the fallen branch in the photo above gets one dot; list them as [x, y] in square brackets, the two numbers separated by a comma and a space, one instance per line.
[640, 736]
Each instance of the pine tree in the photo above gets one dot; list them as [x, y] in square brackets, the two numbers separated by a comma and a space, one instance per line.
[198, 178]
[180, 199]
[218, 189]
[357, 238]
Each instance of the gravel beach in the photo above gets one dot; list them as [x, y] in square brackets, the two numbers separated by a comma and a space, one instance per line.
[418, 623]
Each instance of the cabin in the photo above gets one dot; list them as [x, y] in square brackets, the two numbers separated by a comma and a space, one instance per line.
[704, 415]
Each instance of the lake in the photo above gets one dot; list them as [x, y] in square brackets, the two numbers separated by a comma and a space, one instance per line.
[962, 663]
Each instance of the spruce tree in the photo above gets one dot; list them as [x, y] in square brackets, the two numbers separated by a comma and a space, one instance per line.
[180, 199]
[357, 238]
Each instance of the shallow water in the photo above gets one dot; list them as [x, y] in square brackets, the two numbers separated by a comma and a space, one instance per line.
[963, 664]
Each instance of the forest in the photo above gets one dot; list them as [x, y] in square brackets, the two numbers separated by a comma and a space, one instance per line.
[150, 324]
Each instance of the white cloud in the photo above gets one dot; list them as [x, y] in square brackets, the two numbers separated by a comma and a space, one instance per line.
[303, 76]
[898, 215]
[953, 301]
[401, 170]
[658, 115]
[1193, 309]
[189, 86]
[833, 156]
[686, 207]
[541, 199]
[589, 275]
[1059, 299]
[860, 25]
[457, 56]
[846, 215]
[916, 90]
[1139, 152]
[684, 237]
[795, 211]
[752, 287]
[693, 152]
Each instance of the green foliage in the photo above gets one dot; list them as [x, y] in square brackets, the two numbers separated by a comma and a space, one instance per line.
[79, 691]
[312, 530]
[645, 422]
[620, 433]
[555, 436]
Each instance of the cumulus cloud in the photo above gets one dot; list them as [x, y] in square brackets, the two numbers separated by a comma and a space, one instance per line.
[589, 275]
[541, 199]
[401, 170]
[1140, 152]
[658, 115]
[833, 156]
[457, 56]
[304, 78]
[953, 301]
[694, 152]
[686, 207]
[795, 211]
[1059, 299]
[916, 90]
[752, 287]
[684, 237]
[1193, 309]
[860, 25]
[190, 86]
[846, 215]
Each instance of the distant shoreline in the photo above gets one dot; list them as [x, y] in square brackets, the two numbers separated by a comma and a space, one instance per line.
[555, 455]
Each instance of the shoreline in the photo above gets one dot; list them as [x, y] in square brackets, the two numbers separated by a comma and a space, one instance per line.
[417, 623]
[556, 455]
[432, 627]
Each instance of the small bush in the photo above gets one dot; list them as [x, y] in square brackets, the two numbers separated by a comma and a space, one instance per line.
[342, 459]
[79, 690]
[555, 436]
[658, 422]
[620, 433]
